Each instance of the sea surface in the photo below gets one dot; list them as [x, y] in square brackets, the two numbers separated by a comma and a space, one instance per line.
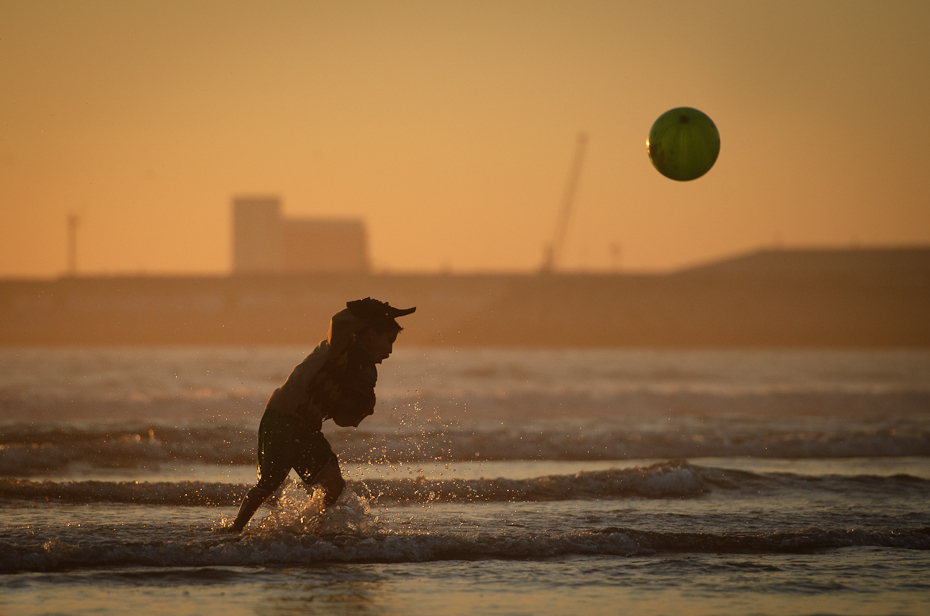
[488, 481]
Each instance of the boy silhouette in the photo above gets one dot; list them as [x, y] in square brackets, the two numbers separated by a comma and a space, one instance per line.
[336, 381]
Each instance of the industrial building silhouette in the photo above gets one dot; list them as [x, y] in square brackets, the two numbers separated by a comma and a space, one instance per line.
[266, 243]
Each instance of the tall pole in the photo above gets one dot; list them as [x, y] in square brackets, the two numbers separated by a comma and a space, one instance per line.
[72, 243]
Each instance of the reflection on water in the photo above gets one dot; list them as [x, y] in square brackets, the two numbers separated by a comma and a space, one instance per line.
[689, 585]
[361, 589]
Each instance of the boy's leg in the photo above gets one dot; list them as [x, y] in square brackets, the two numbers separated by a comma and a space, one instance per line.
[318, 464]
[276, 450]
[250, 504]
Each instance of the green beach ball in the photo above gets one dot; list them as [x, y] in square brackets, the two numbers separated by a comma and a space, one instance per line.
[683, 144]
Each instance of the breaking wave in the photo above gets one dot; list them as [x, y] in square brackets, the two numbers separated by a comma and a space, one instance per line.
[673, 479]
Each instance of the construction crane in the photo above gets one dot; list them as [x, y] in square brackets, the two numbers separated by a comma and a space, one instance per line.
[553, 250]
[73, 222]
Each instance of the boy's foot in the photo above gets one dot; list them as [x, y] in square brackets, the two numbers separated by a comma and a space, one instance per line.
[232, 528]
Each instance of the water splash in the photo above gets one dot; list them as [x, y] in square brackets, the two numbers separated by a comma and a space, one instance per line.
[297, 511]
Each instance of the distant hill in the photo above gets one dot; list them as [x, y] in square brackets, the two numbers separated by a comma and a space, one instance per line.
[798, 264]
[768, 298]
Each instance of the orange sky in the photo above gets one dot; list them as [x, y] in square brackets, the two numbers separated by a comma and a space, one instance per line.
[449, 127]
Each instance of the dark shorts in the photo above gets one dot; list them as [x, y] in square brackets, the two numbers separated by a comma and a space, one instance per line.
[286, 442]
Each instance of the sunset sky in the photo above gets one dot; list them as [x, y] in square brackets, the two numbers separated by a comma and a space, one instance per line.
[449, 128]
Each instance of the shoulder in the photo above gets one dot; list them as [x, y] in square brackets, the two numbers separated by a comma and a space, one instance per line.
[317, 357]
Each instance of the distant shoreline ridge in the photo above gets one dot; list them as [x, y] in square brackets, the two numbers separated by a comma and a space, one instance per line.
[781, 297]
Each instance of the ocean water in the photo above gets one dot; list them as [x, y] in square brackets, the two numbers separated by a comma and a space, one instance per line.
[488, 482]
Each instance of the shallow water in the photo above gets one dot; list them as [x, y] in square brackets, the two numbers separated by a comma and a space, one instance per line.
[652, 482]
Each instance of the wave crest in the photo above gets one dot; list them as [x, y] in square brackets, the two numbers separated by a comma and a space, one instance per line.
[276, 547]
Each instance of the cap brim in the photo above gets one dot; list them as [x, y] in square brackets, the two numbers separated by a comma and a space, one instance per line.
[399, 312]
